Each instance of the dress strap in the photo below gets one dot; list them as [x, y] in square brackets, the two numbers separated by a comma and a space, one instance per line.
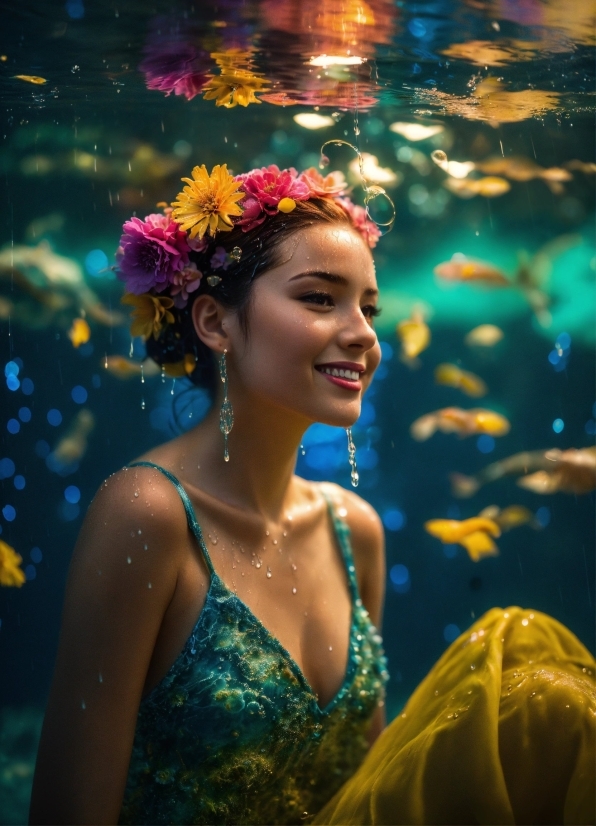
[190, 512]
[342, 532]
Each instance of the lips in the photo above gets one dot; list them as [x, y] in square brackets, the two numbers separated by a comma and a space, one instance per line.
[344, 374]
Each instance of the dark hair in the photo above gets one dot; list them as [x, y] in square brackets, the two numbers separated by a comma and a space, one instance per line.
[259, 252]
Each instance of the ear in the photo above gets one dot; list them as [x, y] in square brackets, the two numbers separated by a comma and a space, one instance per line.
[208, 317]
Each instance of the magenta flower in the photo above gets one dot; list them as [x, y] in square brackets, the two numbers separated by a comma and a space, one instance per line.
[361, 222]
[150, 252]
[184, 282]
[264, 189]
[174, 67]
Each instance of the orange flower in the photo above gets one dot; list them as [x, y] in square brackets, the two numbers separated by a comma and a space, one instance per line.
[150, 314]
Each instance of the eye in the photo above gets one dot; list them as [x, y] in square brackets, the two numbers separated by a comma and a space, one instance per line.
[318, 297]
[371, 311]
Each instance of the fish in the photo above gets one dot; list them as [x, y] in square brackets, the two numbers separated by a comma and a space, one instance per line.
[461, 268]
[80, 332]
[73, 445]
[11, 574]
[520, 168]
[124, 368]
[587, 168]
[61, 275]
[488, 187]
[463, 422]
[569, 471]
[574, 469]
[475, 534]
[510, 517]
[38, 81]
[452, 376]
[415, 336]
[179, 369]
[485, 335]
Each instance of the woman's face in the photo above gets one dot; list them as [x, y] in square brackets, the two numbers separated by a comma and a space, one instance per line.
[310, 320]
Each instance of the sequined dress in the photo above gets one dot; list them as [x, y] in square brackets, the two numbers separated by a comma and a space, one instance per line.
[233, 734]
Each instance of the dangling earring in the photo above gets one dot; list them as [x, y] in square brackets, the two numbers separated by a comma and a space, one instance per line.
[352, 458]
[226, 414]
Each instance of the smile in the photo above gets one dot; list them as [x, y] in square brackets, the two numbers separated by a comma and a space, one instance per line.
[343, 375]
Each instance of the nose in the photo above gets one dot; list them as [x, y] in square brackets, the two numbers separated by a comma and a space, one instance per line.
[356, 333]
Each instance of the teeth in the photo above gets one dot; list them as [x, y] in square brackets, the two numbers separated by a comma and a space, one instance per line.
[351, 375]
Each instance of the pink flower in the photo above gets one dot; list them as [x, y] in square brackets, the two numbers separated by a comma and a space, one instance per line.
[150, 252]
[332, 184]
[174, 67]
[361, 222]
[184, 282]
[264, 189]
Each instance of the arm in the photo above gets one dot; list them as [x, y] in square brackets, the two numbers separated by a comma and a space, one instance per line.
[368, 545]
[111, 619]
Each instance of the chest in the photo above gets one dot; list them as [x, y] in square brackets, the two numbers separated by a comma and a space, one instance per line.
[296, 588]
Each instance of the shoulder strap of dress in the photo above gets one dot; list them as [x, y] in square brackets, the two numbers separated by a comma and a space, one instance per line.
[342, 532]
[190, 512]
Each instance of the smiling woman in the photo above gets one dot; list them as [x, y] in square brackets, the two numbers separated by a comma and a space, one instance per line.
[219, 661]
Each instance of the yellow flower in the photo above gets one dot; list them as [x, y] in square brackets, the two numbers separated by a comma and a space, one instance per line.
[150, 314]
[233, 87]
[80, 332]
[10, 573]
[207, 203]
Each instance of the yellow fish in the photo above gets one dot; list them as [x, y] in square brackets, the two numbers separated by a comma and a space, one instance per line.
[485, 335]
[489, 187]
[452, 376]
[73, 445]
[80, 332]
[10, 572]
[465, 269]
[38, 81]
[510, 517]
[124, 368]
[414, 335]
[462, 422]
[474, 534]
[179, 369]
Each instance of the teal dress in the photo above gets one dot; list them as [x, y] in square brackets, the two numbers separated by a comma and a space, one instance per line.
[233, 733]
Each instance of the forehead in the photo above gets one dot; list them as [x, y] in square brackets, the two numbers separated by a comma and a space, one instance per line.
[337, 248]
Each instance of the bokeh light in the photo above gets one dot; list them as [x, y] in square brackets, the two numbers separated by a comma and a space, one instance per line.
[399, 577]
[13, 426]
[30, 572]
[42, 448]
[36, 555]
[485, 443]
[451, 632]
[394, 519]
[24, 414]
[54, 417]
[7, 468]
[19, 482]
[558, 425]
[542, 516]
[27, 387]
[9, 513]
[79, 394]
[72, 494]
[96, 262]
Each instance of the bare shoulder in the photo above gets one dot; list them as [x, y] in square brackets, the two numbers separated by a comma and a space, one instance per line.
[368, 545]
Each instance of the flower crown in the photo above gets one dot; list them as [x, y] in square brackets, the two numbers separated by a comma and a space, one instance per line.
[153, 257]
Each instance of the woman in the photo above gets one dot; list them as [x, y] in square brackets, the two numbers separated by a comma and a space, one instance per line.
[233, 673]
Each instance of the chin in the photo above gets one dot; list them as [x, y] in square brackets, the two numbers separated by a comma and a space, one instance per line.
[340, 418]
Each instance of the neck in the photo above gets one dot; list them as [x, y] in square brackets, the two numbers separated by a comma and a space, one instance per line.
[262, 445]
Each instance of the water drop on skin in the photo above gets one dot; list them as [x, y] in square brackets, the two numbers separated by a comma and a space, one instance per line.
[269, 574]
[128, 559]
[148, 585]
[136, 497]
[275, 541]
[294, 590]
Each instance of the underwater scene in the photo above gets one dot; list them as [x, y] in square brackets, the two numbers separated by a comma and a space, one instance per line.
[466, 131]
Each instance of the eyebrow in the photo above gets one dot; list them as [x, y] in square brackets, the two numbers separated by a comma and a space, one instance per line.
[333, 278]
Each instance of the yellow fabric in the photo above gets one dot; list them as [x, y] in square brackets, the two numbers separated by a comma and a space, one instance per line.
[501, 731]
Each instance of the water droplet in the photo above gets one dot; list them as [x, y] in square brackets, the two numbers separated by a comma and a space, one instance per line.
[128, 559]
[285, 533]
[100, 677]
[213, 280]
[331, 648]
[173, 386]
[439, 157]
[472, 667]
[258, 563]
[294, 590]
[236, 254]
[323, 161]
[83, 705]
[436, 693]
[163, 373]
[142, 374]
[132, 349]
[148, 585]
[145, 547]
[275, 541]
[137, 496]
[142, 404]
[269, 574]
[266, 533]
[293, 567]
